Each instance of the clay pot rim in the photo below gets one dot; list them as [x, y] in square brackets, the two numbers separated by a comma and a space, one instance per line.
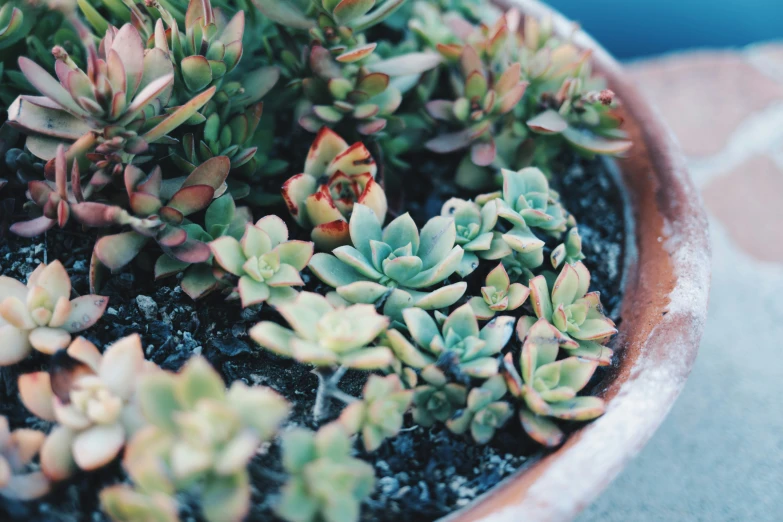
[664, 312]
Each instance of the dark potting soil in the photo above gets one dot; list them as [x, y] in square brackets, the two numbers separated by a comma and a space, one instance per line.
[422, 474]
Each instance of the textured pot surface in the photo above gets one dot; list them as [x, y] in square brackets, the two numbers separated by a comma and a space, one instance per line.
[663, 315]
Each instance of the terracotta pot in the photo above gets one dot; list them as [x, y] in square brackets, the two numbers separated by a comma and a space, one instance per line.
[663, 315]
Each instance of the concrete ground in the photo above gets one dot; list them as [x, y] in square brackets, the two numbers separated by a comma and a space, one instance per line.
[719, 455]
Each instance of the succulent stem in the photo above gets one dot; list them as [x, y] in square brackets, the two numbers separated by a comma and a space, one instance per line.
[328, 379]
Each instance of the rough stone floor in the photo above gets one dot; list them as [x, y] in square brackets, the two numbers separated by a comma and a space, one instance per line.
[719, 455]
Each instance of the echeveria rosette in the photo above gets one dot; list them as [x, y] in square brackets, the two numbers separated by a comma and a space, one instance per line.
[569, 251]
[474, 225]
[436, 399]
[528, 202]
[92, 397]
[498, 294]
[42, 315]
[485, 412]
[199, 437]
[18, 479]
[336, 177]
[267, 264]
[325, 481]
[325, 334]
[397, 263]
[547, 388]
[458, 336]
[574, 312]
[380, 413]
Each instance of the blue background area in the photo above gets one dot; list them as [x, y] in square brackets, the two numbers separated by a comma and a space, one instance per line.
[636, 28]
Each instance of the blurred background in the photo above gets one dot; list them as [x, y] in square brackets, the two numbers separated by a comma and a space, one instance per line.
[715, 71]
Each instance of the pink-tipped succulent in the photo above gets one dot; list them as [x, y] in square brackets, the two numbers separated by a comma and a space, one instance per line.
[498, 294]
[482, 100]
[122, 86]
[42, 315]
[159, 209]
[265, 261]
[92, 399]
[55, 199]
[336, 177]
[18, 448]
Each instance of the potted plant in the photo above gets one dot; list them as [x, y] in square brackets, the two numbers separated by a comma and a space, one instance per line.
[332, 260]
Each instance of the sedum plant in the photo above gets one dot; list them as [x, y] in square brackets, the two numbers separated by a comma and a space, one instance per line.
[547, 387]
[326, 482]
[498, 294]
[574, 312]
[41, 315]
[18, 449]
[456, 337]
[396, 263]
[265, 261]
[569, 251]
[92, 397]
[380, 413]
[437, 399]
[325, 334]
[485, 412]
[336, 177]
[199, 437]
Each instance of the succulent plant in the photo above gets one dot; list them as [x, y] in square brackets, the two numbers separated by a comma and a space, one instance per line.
[222, 218]
[528, 202]
[326, 335]
[336, 177]
[569, 251]
[573, 311]
[200, 437]
[54, 199]
[498, 294]
[103, 104]
[92, 397]
[475, 225]
[395, 263]
[265, 261]
[18, 448]
[158, 210]
[437, 399]
[456, 336]
[11, 24]
[380, 413]
[547, 387]
[485, 412]
[42, 315]
[326, 482]
[480, 103]
[209, 48]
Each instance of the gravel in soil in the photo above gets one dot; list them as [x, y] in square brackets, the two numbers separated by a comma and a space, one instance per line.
[422, 474]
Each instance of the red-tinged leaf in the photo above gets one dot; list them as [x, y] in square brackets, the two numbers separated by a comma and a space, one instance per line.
[192, 199]
[39, 192]
[441, 109]
[593, 144]
[196, 72]
[407, 64]
[76, 183]
[212, 173]
[372, 127]
[146, 96]
[35, 119]
[191, 251]
[234, 29]
[172, 237]
[144, 205]
[374, 84]
[349, 10]
[476, 85]
[199, 281]
[548, 122]
[93, 214]
[118, 250]
[357, 54]
[509, 79]
[98, 274]
[32, 228]
[483, 153]
[452, 142]
[171, 216]
[129, 45]
[179, 116]
[451, 52]
[470, 61]
[63, 213]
